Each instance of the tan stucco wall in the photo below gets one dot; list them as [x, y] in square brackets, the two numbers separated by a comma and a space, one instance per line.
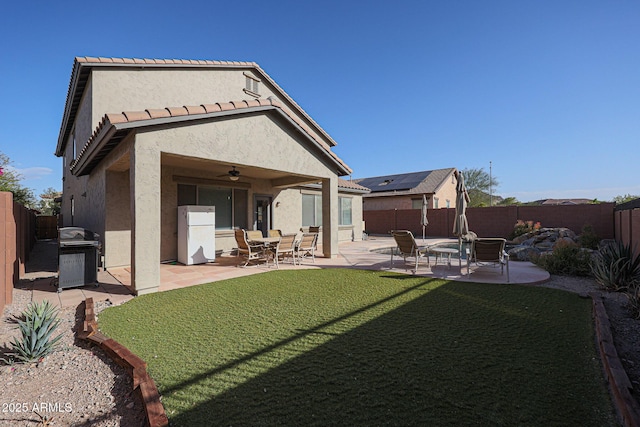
[447, 192]
[124, 89]
[117, 251]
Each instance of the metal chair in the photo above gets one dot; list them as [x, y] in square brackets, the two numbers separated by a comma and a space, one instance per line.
[307, 246]
[488, 251]
[408, 248]
[250, 251]
[286, 247]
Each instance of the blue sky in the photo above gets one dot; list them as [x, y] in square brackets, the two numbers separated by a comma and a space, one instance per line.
[547, 91]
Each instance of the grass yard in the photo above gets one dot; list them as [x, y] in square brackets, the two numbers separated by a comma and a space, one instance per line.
[351, 347]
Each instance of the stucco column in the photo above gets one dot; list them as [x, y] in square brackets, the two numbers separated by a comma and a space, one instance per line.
[330, 217]
[145, 216]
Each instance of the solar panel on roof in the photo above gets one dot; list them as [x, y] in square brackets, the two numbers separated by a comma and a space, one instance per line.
[395, 182]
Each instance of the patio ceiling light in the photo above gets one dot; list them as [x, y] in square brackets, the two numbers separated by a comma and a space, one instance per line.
[234, 175]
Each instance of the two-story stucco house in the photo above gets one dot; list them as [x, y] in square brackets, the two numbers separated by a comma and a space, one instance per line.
[405, 191]
[141, 137]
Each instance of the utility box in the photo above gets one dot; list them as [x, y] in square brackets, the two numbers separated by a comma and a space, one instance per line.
[78, 257]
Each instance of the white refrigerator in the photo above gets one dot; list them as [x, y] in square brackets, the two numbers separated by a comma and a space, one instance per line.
[196, 234]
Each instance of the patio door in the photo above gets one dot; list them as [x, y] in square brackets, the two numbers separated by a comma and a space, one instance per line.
[262, 213]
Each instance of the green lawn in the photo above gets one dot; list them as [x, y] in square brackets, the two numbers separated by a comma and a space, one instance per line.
[351, 347]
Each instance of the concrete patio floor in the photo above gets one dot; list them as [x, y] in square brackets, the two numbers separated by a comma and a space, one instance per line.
[114, 284]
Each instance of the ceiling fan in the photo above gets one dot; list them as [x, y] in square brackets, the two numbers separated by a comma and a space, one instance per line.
[234, 174]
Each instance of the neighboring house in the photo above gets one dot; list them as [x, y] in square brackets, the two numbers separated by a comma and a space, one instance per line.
[405, 191]
[140, 137]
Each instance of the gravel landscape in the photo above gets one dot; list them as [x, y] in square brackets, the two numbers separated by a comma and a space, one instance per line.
[78, 385]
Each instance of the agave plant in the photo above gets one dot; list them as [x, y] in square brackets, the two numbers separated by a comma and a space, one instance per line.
[37, 325]
[616, 268]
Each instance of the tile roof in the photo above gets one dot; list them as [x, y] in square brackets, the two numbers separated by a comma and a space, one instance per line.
[414, 182]
[82, 68]
[91, 154]
[352, 185]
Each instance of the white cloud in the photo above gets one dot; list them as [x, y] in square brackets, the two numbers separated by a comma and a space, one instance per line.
[34, 173]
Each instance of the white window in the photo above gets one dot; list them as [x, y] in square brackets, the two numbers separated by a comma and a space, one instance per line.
[311, 210]
[344, 207]
[416, 203]
[435, 202]
[231, 203]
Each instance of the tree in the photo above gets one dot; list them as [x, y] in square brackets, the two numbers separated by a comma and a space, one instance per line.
[626, 198]
[479, 184]
[48, 204]
[10, 181]
[509, 201]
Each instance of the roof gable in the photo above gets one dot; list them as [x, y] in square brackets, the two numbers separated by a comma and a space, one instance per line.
[113, 128]
[82, 67]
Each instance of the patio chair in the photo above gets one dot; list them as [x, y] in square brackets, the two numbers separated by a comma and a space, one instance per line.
[275, 233]
[314, 229]
[286, 247]
[486, 251]
[254, 234]
[408, 248]
[252, 252]
[306, 247]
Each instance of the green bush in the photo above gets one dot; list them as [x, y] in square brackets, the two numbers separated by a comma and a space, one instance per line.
[523, 227]
[37, 325]
[616, 268]
[566, 259]
[589, 239]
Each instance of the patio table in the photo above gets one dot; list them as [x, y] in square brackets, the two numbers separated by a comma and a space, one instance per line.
[442, 251]
[267, 242]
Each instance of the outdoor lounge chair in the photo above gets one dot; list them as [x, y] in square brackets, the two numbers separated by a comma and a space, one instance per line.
[286, 247]
[307, 247]
[252, 252]
[408, 248]
[488, 251]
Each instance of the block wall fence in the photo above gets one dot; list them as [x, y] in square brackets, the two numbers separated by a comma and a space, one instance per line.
[495, 221]
[17, 237]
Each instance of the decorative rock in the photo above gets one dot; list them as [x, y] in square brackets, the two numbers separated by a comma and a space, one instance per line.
[523, 253]
[540, 241]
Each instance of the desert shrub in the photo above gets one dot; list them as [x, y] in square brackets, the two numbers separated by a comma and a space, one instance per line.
[523, 227]
[37, 325]
[566, 259]
[634, 301]
[589, 239]
[616, 268]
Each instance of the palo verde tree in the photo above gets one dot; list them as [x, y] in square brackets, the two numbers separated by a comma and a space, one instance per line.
[479, 184]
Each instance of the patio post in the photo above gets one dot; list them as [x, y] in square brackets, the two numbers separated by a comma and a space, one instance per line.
[330, 217]
[145, 216]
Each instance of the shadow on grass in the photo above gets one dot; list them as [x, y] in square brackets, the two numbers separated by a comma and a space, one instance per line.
[457, 354]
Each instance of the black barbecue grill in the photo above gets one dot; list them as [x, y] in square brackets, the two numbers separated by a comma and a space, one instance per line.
[78, 257]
